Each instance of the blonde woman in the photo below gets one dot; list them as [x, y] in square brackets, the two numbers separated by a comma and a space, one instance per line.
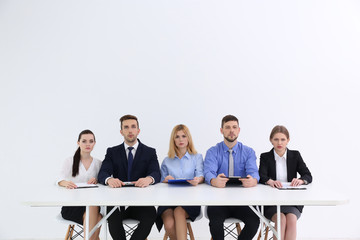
[182, 162]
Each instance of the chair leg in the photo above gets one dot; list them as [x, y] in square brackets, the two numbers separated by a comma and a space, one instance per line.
[259, 236]
[68, 233]
[266, 233]
[238, 228]
[191, 234]
[71, 231]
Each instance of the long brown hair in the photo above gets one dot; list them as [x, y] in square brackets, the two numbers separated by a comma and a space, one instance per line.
[76, 158]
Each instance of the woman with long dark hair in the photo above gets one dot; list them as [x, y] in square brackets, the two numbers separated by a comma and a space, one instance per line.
[81, 168]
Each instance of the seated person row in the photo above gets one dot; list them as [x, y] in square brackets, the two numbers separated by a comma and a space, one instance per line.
[115, 171]
[232, 158]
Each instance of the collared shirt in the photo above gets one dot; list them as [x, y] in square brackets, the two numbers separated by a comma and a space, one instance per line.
[133, 151]
[188, 167]
[281, 168]
[217, 161]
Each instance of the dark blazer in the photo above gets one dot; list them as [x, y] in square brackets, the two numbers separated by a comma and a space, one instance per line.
[294, 163]
[115, 164]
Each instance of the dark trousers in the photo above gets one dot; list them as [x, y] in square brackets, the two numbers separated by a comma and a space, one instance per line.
[145, 215]
[217, 216]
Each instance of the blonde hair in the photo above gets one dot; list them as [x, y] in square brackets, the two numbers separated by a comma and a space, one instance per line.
[279, 129]
[173, 149]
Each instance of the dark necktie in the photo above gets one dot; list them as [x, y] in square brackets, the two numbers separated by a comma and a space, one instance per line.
[130, 162]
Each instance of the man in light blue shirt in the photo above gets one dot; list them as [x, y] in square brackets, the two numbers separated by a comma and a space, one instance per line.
[231, 158]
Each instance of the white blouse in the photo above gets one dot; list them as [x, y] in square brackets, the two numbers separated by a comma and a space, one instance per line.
[281, 169]
[83, 176]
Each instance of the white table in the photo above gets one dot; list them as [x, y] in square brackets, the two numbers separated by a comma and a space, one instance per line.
[170, 195]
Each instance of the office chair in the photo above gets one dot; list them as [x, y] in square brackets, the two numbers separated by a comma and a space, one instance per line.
[129, 226]
[73, 227]
[189, 228]
[230, 225]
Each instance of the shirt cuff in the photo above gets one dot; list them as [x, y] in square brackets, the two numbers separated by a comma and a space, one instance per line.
[106, 180]
[152, 179]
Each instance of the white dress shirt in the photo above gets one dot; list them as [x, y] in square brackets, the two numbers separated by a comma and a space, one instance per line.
[281, 169]
[83, 175]
[132, 151]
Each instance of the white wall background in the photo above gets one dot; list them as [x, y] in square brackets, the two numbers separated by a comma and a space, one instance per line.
[70, 65]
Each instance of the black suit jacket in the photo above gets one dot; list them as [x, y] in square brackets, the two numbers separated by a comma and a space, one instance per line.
[115, 164]
[294, 163]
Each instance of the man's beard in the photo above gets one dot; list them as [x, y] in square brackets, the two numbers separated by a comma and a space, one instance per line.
[231, 140]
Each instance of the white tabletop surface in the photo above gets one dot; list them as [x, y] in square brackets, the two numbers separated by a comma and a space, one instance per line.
[168, 195]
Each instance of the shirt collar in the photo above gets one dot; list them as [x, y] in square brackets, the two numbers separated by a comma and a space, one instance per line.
[226, 148]
[135, 146]
[187, 155]
[277, 157]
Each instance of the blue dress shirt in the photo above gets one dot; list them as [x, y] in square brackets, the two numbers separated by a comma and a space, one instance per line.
[217, 161]
[188, 167]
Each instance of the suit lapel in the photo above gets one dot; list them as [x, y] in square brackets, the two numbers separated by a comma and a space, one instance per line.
[272, 164]
[137, 154]
[123, 158]
[289, 165]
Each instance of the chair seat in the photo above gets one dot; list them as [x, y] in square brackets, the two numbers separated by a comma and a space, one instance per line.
[230, 225]
[232, 220]
[130, 221]
[65, 221]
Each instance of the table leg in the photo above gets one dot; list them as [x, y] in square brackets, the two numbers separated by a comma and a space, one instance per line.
[278, 222]
[87, 224]
[103, 221]
[262, 223]
[105, 226]
[262, 217]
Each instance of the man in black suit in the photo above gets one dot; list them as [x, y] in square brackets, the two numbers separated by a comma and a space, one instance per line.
[134, 162]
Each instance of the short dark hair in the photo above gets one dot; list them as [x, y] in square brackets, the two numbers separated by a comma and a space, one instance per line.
[128, 117]
[228, 118]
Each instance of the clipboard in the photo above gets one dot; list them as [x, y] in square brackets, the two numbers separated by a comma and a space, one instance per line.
[287, 186]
